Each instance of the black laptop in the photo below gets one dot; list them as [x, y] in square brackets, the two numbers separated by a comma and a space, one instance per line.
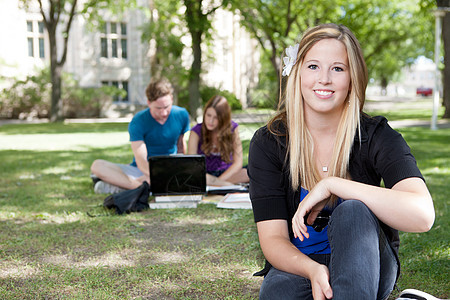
[177, 175]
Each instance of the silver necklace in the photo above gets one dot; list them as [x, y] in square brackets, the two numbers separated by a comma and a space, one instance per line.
[324, 167]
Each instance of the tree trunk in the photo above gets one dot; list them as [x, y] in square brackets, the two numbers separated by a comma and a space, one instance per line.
[383, 85]
[55, 70]
[195, 103]
[51, 21]
[446, 73]
[196, 24]
[56, 113]
[276, 67]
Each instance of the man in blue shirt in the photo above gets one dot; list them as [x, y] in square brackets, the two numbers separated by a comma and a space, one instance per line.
[156, 130]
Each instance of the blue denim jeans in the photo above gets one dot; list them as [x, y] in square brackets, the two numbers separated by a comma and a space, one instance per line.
[362, 265]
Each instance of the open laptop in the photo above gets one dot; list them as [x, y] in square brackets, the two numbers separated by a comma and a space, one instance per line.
[177, 175]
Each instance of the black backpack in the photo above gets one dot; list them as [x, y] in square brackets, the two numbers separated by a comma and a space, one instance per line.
[130, 200]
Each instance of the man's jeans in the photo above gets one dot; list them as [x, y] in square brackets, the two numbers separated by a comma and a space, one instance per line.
[362, 264]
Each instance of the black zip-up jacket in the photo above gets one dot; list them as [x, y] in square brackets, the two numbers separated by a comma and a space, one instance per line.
[382, 154]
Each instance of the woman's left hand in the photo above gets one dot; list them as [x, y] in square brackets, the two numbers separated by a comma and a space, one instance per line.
[313, 203]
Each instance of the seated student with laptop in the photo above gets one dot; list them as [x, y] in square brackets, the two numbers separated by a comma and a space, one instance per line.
[218, 139]
[157, 130]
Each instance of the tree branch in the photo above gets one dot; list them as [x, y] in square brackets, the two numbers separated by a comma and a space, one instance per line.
[66, 35]
[43, 13]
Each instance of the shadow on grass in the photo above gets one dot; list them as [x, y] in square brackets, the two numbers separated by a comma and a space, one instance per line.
[30, 179]
[52, 249]
[168, 253]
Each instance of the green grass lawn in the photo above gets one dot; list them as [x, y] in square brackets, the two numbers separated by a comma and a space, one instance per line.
[425, 257]
[413, 109]
[51, 249]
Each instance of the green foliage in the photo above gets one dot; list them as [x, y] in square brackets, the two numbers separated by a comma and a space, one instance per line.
[31, 97]
[93, 11]
[82, 102]
[207, 92]
[392, 33]
[58, 17]
[276, 25]
[28, 97]
[266, 93]
[165, 31]
[198, 20]
[171, 21]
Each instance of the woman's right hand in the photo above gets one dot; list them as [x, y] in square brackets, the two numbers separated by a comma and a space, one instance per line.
[313, 203]
[320, 282]
[216, 181]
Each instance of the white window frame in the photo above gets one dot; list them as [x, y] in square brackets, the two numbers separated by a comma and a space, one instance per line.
[114, 41]
[36, 39]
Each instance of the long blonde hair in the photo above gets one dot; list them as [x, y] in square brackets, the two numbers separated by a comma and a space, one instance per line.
[290, 110]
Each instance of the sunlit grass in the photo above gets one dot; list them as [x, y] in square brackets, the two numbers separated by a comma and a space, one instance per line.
[52, 249]
[412, 109]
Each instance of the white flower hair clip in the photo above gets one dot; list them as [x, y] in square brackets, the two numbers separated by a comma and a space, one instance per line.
[290, 60]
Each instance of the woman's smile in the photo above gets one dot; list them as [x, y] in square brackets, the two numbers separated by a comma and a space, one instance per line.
[324, 93]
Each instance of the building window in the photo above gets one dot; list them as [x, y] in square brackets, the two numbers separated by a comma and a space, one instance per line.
[29, 26]
[120, 85]
[30, 47]
[123, 44]
[114, 47]
[36, 39]
[113, 40]
[41, 48]
[41, 27]
[113, 27]
[104, 47]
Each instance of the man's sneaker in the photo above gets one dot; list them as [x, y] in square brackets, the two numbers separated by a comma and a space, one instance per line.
[102, 187]
[412, 294]
[95, 179]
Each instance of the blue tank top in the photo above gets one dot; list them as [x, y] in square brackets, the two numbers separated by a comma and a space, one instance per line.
[317, 243]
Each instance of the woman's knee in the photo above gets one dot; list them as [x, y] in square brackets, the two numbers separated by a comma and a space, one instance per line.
[352, 214]
[354, 208]
[282, 285]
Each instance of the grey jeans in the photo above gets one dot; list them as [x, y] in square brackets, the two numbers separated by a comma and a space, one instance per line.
[362, 264]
